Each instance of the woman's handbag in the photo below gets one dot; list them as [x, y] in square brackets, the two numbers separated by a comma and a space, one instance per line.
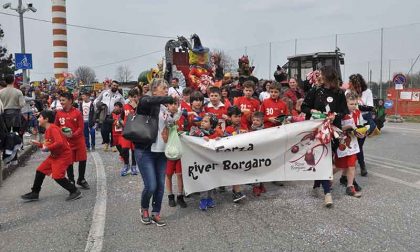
[141, 129]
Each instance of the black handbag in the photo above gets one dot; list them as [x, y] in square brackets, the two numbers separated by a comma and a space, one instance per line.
[141, 129]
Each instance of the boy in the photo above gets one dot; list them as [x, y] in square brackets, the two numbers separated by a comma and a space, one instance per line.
[235, 116]
[192, 116]
[208, 130]
[185, 101]
[174, 166]
[70, 120]
[215, 106]
[117, 129]
[347, 151]
[258, 124]
[273, 107]
[126, 145]
[88, 111]
[247, 104]
[56, 163]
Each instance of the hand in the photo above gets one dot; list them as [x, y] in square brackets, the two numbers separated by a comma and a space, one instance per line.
[68, 135]
[272, 120]
[165, 134]
[206, 138]
[359, 135]
[37, 143]
[192, 113]
[225, 116]
[315, 111]
[45, 149]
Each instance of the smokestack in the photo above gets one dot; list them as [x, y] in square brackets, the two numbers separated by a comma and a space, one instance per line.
[59, 37]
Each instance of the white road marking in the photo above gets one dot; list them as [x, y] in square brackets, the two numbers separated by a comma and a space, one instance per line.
[406, 165]
[379, 166]
[96, 234]
[396, 180]
[397, 167]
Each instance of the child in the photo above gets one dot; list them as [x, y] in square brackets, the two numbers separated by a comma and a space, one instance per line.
[247, 104]
[208, 130]
[185, 102]
[192, 116]
[215, 106]
[174, 166]
[88, 111]
[126, 145]
[346, 153]
[117, 129]
[273, 107]
[56, 163]
[225, 96]
[258, 124]
[70, 119]
[235, 116]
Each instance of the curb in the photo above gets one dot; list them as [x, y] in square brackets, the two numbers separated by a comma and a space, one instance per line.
[23, 156]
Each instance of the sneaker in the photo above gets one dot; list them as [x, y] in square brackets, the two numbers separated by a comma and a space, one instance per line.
[114, 149]
[72, 181]
[74, 196]
[92, 148]
[262, 188]
[181, 202]
[210, 203]
[343, 180]
[172, 202]
[145, 218]
[357, 187]
[352, 192]
[256, 190]
[124, 171]
[158, 220]
[32, 196]
[237, 196]
[106, 147]
[84, 184]
[328, 200]
[203, 204]
[134, 170]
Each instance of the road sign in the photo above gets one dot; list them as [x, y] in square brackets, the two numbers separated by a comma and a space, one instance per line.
[399, 81]
[388, 104]
[23, 60]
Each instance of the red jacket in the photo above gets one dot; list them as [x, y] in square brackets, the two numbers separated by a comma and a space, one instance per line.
[273, 108]
[56, 143]
[72, 119]
[246, 103]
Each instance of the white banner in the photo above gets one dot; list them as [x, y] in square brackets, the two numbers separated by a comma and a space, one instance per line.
[285, 153]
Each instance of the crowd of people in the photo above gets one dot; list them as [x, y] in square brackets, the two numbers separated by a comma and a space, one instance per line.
[69, 125]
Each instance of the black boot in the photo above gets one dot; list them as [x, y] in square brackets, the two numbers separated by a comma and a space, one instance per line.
[181, 202]
[363, 170]
[36, 188]
[172, 202]
[343, 180]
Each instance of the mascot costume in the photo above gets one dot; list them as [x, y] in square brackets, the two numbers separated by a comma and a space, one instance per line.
[200, 75]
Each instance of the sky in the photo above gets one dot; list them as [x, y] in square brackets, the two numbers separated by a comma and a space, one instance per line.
[237, 27]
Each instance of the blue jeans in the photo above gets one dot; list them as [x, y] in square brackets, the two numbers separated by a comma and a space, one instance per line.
[89, 133]
[152, 166]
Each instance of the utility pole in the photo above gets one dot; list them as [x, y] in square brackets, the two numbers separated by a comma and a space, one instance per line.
[269, 61]
[296, 46]
[246, 50]
[389, 73]
[336, 41]
[382, 54]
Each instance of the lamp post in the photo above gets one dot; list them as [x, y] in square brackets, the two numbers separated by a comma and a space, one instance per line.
[20, 10]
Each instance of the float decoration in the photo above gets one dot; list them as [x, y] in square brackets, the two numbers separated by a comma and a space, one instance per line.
[200, 73]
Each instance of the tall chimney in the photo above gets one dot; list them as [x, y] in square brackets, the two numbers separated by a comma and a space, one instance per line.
[59, 37]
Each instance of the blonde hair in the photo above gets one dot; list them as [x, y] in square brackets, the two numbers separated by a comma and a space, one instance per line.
[156, 83]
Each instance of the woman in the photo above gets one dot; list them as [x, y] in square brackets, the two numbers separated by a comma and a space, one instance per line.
[294, 93]
[266, 91]
[323, 98]
[151, 156]
[358, 85]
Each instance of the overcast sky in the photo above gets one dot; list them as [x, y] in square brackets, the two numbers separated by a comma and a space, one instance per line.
[228, 25]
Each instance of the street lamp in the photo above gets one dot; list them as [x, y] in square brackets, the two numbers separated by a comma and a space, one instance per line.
[20, 10]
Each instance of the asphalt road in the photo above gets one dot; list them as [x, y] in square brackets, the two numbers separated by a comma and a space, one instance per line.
[288, 218]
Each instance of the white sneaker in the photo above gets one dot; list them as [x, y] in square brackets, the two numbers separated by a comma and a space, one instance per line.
[328, 200]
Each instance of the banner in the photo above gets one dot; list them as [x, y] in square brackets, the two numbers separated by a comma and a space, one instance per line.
[285, 153]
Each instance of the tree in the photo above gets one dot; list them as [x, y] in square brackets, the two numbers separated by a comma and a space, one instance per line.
[85, 74]
[228, 63]
[7, 65]
[123, 74]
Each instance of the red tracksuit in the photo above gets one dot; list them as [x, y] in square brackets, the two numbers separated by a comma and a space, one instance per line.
[128, 110]
[60, 156]
[273, 108]
[73, 119]
[246, 103]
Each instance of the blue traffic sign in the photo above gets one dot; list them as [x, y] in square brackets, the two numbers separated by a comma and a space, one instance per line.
[399, 79]
[23, 60]
[388, 104]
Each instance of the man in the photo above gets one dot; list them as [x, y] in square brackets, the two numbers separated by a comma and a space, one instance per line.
[175, 89]
[106, 100]
[13, 101]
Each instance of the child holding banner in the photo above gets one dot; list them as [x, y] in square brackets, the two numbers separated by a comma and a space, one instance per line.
[215, 106]
[258, 124]
[274, 108]
[191, 116]
[236, 127]
[247, 104]
[208, 129]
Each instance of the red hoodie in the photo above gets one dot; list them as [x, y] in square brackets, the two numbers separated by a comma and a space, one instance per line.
[72, 119]
[246, 103]
[273, 108]
[56, 143]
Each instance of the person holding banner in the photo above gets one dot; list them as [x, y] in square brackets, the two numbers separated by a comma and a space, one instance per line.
[150, 157]
[327, 98]
[247, 104]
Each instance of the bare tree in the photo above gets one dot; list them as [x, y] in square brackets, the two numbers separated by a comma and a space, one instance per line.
[123, 74]
[228, 63]
[85, 74]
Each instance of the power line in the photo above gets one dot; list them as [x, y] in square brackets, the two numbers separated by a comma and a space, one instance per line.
[128, 59]
[93, 28]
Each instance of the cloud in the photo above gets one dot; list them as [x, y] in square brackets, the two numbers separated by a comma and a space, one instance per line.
[273, 5]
